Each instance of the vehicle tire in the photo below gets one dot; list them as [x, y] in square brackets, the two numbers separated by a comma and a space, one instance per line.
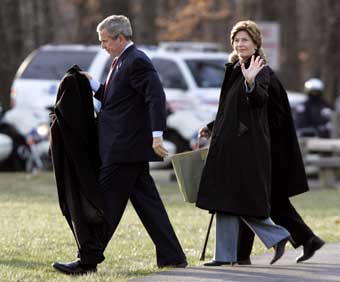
[14, 162]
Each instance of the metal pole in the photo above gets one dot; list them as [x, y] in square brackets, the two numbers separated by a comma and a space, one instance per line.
[207, 237]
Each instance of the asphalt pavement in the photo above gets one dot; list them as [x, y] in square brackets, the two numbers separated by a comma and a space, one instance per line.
[323, 267]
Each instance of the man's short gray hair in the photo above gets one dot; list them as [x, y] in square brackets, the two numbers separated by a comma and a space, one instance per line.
[115, 25]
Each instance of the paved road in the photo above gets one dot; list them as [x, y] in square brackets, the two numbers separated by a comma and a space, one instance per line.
[323, 267]
[162, 176]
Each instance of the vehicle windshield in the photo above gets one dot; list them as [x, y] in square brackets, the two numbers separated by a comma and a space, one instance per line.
[207, 72]
[52, 65]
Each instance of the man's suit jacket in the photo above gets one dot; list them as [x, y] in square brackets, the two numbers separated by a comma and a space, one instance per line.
[133, 106]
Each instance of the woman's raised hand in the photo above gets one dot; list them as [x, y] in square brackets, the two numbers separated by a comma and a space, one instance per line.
[254, 68]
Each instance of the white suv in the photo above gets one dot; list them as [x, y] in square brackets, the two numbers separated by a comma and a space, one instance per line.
[191, 74]
[186, 74]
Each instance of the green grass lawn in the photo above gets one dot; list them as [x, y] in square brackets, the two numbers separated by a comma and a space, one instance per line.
[33, 233]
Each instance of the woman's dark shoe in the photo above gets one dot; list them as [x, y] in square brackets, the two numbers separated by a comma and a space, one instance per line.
[74, 268]
[279, 250]
[309, 249]
[217, 263]
[246, 261]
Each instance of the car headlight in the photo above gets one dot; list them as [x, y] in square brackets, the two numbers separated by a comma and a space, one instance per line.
[43, 130]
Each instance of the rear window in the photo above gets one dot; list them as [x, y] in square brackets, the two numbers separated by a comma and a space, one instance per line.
[52, 65]
[207, 72]
[169, 73]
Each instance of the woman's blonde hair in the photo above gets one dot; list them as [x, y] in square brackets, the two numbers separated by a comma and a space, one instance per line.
[255, 34]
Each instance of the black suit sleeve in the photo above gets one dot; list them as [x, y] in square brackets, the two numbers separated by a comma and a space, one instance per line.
[145, 80]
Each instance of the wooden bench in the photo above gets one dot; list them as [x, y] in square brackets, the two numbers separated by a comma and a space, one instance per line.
[328, 167]
[326, 159]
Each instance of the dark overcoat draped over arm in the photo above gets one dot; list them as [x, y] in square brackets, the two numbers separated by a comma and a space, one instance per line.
[132, 107]
[74, 150]
[288, 172]
[236, 177]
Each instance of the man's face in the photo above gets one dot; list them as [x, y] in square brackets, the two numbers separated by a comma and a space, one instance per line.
[114, 46]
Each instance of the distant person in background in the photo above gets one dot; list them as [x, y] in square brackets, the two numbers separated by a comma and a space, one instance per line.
[314, 115]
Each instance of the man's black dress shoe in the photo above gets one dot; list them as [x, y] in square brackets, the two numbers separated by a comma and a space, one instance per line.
[217, 263]
[74, 268]
[182, 264]
[309, 249]
[279, 250]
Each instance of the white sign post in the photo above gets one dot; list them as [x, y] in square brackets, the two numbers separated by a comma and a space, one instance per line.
[271, 43]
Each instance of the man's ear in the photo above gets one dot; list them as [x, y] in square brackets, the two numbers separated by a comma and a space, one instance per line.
[121, 38]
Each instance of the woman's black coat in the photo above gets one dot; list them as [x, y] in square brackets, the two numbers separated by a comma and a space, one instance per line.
[74, 149]
[288, 172]
[236, 177]
[254, 150]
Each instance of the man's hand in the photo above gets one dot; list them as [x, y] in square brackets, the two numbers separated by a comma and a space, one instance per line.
[204, 132]
[157, 146]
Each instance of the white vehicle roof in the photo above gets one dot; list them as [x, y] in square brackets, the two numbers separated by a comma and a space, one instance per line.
[40, 73]
[70, 47]
[185, 50]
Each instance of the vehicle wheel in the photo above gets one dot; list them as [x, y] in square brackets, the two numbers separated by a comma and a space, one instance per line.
[14, 162]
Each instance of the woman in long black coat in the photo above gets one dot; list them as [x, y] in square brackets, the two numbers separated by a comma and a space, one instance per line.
[236, 180]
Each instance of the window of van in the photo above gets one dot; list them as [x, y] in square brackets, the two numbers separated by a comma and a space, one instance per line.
[207, 72]
[106, 70]
[169, 73]
[52, 65]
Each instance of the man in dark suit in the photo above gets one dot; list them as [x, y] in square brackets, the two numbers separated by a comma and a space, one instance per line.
[130, 124]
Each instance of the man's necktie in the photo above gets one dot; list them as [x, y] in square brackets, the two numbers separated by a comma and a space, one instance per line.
[113, 64]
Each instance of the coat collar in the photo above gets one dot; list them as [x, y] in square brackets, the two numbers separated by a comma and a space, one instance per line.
[126, 52]
[122, 57]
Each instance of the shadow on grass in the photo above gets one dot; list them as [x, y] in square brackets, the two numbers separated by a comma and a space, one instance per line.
[23, 264]
[135, 273]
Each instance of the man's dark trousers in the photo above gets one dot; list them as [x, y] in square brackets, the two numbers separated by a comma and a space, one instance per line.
[283, 213]
[120, 182]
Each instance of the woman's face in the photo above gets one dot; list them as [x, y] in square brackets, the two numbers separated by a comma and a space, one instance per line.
[243, 45]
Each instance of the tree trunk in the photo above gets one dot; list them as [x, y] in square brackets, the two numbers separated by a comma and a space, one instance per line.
[10, 53]
[114, 7]
[331, 57]
[277, 11]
